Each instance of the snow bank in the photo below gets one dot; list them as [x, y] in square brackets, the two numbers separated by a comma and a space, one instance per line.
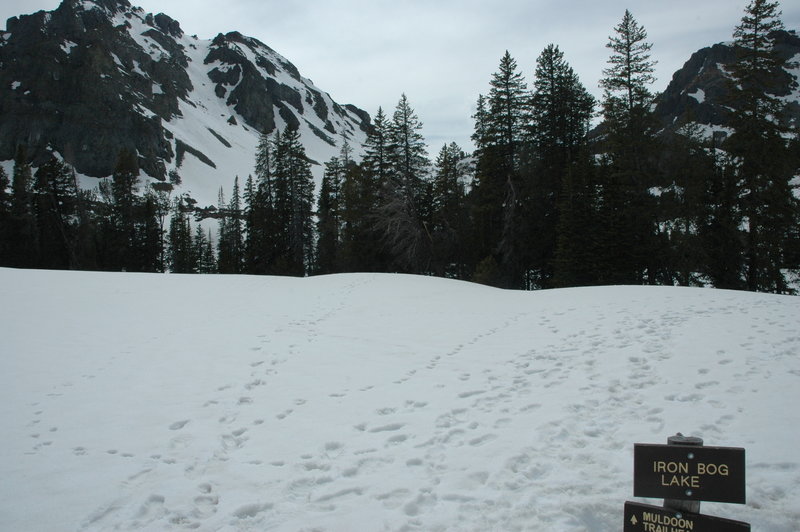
[377, 402]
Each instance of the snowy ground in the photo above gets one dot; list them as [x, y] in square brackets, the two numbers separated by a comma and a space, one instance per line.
[377, 402]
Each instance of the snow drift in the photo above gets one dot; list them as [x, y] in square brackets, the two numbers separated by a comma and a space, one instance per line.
[377, 402]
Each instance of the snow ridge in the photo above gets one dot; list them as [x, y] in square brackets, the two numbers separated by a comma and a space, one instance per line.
[264, 403]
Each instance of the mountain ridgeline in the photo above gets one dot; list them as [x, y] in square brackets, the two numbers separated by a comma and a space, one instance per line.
[700, 91]
[95, 77]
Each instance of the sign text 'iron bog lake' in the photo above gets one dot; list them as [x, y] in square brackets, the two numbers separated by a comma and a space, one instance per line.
[687, 472]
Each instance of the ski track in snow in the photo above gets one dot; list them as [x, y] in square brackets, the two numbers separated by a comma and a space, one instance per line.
[377, 402]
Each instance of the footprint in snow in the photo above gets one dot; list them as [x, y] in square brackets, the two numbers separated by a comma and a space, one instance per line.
[178, 424]
[388, 428]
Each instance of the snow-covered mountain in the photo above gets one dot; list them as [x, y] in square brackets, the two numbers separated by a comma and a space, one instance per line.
[94, 77]
[367, 402]
[700, 91]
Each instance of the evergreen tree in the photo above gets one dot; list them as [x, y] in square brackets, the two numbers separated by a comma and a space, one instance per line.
[574, 261]
[361, 237]
[163, 206]
[149, 236]
[480, 135]
[761, 152]
[294, 190]
[231, 246]
[628, 250]
[376, 151]
[401, 213]
[23, 245]
[181, 253]
[236, 229]
[203, 252]
[226, 246]
[498, 195]
[260, 218]
[362, 191]
[56, 192]
[208, 262]
[124, 187]
[448, 224]
[680, 211]
[508, 112]
[561, 109]
[5, 219]
[328, 217]
[720, 225]
[630, 72]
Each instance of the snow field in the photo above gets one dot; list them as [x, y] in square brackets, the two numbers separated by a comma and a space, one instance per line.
[377, 402]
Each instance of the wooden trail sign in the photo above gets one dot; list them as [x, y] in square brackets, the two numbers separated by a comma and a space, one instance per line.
[647, 518]
[687, 472]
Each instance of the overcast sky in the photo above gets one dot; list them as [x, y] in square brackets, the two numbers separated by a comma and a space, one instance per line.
[442, 53]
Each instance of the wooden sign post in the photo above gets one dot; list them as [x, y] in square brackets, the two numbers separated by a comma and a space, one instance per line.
[684, 473]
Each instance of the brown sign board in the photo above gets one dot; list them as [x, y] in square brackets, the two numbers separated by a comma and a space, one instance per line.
[689, 472]
[647, 518]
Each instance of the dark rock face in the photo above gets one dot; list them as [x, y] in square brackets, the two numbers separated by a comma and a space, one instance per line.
[71, 80]
[93, 78]
[701, 91]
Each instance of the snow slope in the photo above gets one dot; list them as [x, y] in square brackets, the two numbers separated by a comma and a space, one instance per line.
[368, 402]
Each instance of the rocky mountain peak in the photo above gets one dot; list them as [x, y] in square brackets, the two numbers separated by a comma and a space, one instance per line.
[701, 90]
[95, 77]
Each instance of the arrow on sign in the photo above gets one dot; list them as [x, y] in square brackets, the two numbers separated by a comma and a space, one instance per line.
[634, 520]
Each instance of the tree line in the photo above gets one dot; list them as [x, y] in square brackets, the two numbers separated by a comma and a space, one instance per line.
[543, 201]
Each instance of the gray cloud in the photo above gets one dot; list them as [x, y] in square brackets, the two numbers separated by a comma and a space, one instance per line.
[442, 54]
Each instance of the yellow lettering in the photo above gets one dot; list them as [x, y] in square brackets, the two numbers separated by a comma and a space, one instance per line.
[684, 481]
[670, 467]
[713, 469]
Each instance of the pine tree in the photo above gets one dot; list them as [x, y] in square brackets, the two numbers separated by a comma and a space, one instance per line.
[574, 261]
[163, 206]
[561, 109]
[626, 81]
[681, 205]
[761, 153]
[123, 203]
[56, 192]
[508, 111]
[203, 252]
[235, 228]
[148, 236]
[181, 253]
[401, 212]
[5, 219]
[362, 192]
[360, 248]
[448, 224]
[208, 262]
[480, 135]
[329, 217]
[376, 150]
[260, 219]
[294, 190]
[720, 225]
[24, 245]
[629, 171]
[498, 196]
[231, 234]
